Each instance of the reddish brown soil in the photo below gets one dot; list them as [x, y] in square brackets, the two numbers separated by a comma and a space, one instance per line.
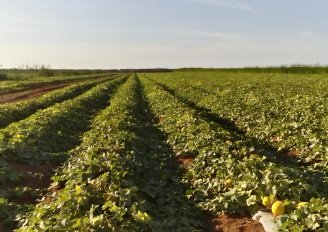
[293, 153]
[36, 177]
[32, 93]
[38, 91]
[231, 223]
[185, 161]
[3, 228]
[159, 119]
[25, 199]
[44, 168]
[33, 181]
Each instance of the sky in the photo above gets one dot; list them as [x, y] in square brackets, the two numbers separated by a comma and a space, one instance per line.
[108, 34]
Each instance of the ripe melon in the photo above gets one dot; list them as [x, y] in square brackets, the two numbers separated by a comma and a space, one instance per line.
[278, 208]
[266, 201]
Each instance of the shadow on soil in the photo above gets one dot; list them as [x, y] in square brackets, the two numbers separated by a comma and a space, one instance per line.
[157, 174]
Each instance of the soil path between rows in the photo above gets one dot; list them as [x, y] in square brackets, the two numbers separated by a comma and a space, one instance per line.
[42, 182]
[32, 93]
[233, 223]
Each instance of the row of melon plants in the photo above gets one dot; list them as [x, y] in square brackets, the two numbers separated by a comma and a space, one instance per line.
[119, 179]
[13, 112]
[231, 174]
[44, 137]
[293, 119]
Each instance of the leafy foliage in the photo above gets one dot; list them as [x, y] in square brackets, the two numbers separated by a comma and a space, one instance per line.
[16, 111]
[222, 153]
[245, 137]
[119, 179]
[46, 137]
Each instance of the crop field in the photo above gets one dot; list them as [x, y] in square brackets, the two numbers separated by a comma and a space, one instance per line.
[186, 150]
[12, 82]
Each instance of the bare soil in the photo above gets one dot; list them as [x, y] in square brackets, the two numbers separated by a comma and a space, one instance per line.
[185, 161]
[42, 181]
[293, 153]
[3, 228]
[32, 93]
[233, 223]
[35, 177]
[35, 92]
[31, 179]
[44, 168]
[24, 199]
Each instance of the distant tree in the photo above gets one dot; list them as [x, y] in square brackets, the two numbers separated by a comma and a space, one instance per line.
[46, 71]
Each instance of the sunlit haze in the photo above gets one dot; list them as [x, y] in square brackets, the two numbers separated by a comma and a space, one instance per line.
[162, 33]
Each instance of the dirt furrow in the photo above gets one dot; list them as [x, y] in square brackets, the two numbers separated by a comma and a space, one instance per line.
[33, 93]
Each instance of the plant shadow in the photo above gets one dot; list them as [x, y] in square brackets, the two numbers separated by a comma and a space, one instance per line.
[157, 176]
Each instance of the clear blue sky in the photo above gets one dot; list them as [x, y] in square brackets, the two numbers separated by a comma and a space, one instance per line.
[162, 33]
